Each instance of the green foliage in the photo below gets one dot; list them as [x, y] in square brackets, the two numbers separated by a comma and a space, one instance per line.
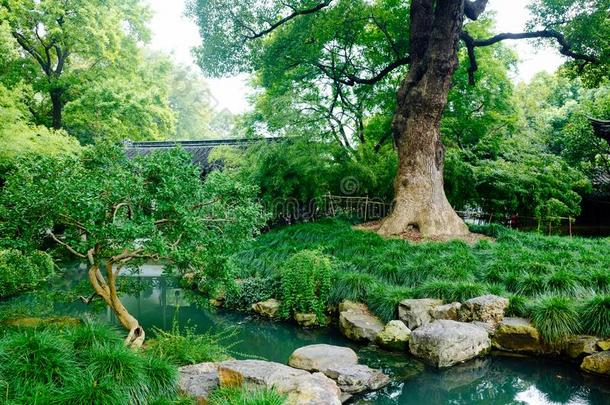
[595, 316]
[305, 284]
[245, 396]
[183, 347]
[383, 300]
[242, 295]
[352, 286]
[156, 206]
[517, 265]
[87, 364]
[555, 317]
[21, 272]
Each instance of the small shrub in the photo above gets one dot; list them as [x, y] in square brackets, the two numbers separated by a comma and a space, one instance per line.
[252, 290]
[245, 396]
[517, 306]
[91, 334]
[32, 356]
[555, 317]
[599, 279]
[120, 364]
[562, 282]
[530, 284]
[85, 389]
[161, 376]
[20, 272]
[305, 284]
[182, 347]
[383, 300]
[595, 316]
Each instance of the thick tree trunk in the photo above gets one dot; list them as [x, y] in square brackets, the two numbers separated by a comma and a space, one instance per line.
[56, 107]
[420, 200]
[107, 290]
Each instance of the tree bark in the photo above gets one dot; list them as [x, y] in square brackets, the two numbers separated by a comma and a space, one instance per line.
[420, 200]
[107, 290]
[56, 107]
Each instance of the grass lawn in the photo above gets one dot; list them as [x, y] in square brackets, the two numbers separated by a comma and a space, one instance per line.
[562, 283]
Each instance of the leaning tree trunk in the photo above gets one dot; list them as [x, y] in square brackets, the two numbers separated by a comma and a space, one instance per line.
[106, 288]
[420, 200]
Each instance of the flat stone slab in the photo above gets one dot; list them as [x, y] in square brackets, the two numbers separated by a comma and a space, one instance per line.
[199, 380]
[301, 387]
[416, 312]
[444, 343]
[321, 357]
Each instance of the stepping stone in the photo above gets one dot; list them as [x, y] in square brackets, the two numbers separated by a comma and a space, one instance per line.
[321, 357]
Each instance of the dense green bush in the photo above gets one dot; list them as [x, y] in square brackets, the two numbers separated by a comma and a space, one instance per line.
[21, 272]
[87, 364]
[242, 295]
[305, 284]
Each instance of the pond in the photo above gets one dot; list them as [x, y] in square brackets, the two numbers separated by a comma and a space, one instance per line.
[494, 380]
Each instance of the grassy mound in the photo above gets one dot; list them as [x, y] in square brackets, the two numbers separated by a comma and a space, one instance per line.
[555, 280]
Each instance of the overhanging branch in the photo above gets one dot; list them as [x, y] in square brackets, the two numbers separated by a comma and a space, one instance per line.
[295, 13]
[565, 47]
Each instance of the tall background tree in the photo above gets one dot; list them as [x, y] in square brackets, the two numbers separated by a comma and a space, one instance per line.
[362, 47]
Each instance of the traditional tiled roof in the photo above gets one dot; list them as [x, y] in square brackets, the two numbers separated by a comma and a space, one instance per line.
[200, 150]
[601, 128]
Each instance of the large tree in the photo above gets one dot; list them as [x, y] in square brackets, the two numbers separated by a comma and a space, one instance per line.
[422, 35]
[59, 41]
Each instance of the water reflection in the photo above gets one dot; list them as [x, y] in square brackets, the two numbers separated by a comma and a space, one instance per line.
[157, 301]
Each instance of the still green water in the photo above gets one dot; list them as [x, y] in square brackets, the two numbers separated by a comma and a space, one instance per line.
[495, 380]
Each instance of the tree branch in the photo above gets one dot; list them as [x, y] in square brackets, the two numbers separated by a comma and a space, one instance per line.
[64, 244]
[293, 15]
[566, 47]
[351, 80]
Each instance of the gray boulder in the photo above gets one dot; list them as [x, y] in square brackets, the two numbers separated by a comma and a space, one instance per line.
[357, 378]
[321, 357]
[444, 343]
[198, 380]
[415, 313]
[447, 311]
[358, 323]
[487, 308]
[394, 336]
